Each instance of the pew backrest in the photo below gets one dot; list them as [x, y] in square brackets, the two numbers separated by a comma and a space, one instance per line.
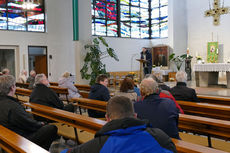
[206, 110]
[14, 143]
[22, 85]
[214, 100]
[93, 125]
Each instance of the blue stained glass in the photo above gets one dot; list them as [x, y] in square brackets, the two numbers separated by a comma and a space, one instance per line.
[93, 27]
[155, 3]
[100, 27]
[100, 9]
[144, 3]
[114, 1]
[164, 11]
[135, 14]
[112, 28]
[124, 2]
[36, 21]
[155, 31]
[164, 2]
[16, 20]
[3, 18]
[125, 29]
[92, 11]
[135, 30]
[2, 3]
[164, 29]
[111, 11]
[125, 14]
[135, 2]
[144, 14]
[145, 32]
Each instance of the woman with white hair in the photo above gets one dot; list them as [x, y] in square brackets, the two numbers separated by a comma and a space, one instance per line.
[181, 91]
[23, 76]
[66, 82]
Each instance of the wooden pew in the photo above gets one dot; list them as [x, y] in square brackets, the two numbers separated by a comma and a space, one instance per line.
[23, 92]
[189, 123]
[93, 125]
[22, 85]
[14, 143]
[61, 91]
[214, 100]
[206, 110]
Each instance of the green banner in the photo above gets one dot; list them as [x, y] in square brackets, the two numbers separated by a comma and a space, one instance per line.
[75, 20]
[212, 52]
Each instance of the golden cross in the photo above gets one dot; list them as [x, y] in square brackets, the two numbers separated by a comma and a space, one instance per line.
[216, 12]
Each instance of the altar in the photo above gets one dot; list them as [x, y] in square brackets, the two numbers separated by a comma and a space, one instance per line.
[207, 74]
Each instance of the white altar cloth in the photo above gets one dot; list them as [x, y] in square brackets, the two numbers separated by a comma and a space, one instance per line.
[212, 67]
[207, 74]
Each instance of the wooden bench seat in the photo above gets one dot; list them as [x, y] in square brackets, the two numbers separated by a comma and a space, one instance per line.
[93, 125]
[214, 100]
[206, 110]
[14, 143]
[189, 123]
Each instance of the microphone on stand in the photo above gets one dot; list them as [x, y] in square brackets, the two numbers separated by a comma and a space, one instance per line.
[133, 55]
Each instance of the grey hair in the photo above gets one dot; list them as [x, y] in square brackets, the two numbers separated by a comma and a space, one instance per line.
[5, 71]
[181, 76]
[6, 82]
[148, 86]
[32, 72]
[38, 78]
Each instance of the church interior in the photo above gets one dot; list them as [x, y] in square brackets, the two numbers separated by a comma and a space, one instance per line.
[87, 38]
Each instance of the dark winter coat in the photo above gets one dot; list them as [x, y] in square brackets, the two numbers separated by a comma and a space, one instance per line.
[14, 117]
[182, 92]
[161, 112]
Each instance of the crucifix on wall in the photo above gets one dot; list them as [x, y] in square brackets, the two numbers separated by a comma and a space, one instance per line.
[216, 11]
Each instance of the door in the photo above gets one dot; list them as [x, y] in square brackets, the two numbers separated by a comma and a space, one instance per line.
[41, 64]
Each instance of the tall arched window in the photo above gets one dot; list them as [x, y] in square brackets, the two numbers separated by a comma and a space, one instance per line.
[22, 15]
[145, 19]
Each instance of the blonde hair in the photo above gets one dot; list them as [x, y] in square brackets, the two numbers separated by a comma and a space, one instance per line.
[66, 74]
[148, 86]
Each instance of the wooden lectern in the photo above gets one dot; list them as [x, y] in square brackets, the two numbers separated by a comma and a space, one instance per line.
[142, 61]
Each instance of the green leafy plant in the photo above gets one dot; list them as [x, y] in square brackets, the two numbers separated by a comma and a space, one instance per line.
[178, 60]
[93, 65]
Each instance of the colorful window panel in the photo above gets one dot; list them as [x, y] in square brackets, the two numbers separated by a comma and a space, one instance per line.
[137, 18]
[16, 15]
[104, 17]
[159, 18]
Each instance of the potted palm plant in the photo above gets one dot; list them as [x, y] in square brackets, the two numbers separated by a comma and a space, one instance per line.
[178, 60]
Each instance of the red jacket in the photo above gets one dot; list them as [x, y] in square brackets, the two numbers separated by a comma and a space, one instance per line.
[170, 96]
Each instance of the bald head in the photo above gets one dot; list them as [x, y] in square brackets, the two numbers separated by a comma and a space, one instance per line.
[148, 86]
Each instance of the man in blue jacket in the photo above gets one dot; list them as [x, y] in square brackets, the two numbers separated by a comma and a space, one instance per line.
[161, 112]
[125, 134]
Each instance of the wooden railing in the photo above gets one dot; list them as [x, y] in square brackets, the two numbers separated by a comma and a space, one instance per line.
[14, 143]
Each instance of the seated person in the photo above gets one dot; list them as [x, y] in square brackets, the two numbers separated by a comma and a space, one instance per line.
[43, 95]
[160, 82]
[161, 112]
[31, 79]
[6, 71]
[99, 91]
[136, 89]
[124, 133]
[127, 89]
[165, 93]
[181, 91]
[66, 82]
[14, 117]
[23, 76]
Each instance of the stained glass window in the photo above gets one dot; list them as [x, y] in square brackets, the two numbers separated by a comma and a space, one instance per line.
[135, 19]
[21, 16]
